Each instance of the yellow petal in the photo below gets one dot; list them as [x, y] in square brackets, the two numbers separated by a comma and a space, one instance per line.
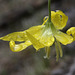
[47, 40]
[59, 19]
[34, 29]
[71, 31]
[19, 47]
[63, 38]
[52, 14]
[37, 45]
[16, 36]
[44, 35]
[45, 20]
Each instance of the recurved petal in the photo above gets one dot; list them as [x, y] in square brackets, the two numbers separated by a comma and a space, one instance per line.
[37, 45]
[19, 47]
[59, 19]
[46, 17]
[63, 38]
[16, 36]
[71, 31]
[45, 20]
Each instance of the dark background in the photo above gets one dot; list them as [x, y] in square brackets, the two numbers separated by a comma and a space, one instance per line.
[18, 15]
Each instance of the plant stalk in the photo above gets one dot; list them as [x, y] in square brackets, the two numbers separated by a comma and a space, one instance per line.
[49, 9]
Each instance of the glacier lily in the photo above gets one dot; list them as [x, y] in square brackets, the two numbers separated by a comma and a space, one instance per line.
[42, 36]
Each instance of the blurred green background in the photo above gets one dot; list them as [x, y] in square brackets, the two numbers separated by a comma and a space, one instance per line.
[18, 15]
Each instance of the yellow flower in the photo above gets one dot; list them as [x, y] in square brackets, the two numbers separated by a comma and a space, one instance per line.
[71, 31]
[42, 35]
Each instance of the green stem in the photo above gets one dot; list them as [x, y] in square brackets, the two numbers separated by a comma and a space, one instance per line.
[49, 9]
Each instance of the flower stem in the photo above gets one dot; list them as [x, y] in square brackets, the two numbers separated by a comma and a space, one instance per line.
[49, 9]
